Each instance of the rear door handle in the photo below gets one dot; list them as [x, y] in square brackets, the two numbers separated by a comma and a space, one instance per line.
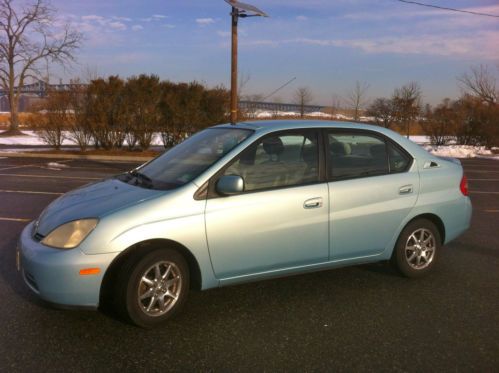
[313, 203]
[406, 189]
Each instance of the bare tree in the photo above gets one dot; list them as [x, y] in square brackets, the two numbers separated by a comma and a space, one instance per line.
[480, 82]
[28, 38]
[335, 104]
[407, 104]
[357, 98]
[382, 111]
[441, 122]
[303, 97]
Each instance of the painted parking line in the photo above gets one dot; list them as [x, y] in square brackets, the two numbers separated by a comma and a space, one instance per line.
[53, 177]
[481, 166]
[15, 167]
[492, 211]
[479, 172]
[30, 192]
[479, 192]
[15, 219]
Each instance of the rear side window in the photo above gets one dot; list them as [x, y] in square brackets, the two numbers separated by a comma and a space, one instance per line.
[361, 154]
[355, 155]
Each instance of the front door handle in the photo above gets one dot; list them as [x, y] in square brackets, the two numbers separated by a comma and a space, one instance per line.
[313, 203]
[406, 189]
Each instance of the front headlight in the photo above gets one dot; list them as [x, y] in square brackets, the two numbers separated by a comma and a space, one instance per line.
[70, 235]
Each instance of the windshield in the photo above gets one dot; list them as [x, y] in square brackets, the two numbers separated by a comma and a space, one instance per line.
[186, 161]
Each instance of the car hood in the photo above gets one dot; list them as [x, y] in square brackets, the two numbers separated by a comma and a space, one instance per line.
[92, 201]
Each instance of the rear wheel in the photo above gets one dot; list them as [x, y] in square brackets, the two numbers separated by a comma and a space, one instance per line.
[154, 288]
[417, 248]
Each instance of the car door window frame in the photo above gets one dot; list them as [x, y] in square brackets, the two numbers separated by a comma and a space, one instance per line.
[362, 132]
[210, 188]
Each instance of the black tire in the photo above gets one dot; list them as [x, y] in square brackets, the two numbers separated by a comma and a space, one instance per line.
[151, 311]
[420, 260]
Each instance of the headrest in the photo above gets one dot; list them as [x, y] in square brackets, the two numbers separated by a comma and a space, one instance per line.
[273, 145]
[309, 154]
[338, 148]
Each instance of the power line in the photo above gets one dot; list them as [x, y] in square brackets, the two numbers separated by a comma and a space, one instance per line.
[278, 89]
[451, 9]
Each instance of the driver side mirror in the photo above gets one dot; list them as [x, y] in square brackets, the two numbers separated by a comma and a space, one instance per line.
[230, 184]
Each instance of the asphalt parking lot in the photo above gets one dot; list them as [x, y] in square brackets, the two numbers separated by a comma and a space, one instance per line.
[358, 318]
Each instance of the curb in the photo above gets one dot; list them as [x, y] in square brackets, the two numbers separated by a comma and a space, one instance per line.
[94, 157]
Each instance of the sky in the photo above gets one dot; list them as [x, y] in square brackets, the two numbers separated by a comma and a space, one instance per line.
[327, 45]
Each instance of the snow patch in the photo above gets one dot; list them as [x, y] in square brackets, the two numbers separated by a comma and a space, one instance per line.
[420, 139]
[57, 165]
[461, 151]
[31, 138]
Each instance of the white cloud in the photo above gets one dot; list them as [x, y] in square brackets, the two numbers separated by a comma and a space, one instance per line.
[120, 26]
[92, 17]
[154, 17]
[478, 45]
[223, 34]
[168, 25]
[301, 18]
[137, 27]
[124, 19]
[205, 21]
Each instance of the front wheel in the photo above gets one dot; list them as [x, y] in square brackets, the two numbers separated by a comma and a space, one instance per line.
[154, 288]
[417, 247]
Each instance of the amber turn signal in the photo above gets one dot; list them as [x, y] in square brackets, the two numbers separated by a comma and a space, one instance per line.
[89, 271]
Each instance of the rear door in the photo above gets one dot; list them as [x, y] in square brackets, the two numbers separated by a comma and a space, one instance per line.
[372, 186]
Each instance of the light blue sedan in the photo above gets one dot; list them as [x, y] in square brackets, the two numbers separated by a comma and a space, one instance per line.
[241, 203]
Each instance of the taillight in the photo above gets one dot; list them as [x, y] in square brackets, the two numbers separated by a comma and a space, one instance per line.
[464, 186]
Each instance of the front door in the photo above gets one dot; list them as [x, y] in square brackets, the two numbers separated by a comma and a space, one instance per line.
[281, 219]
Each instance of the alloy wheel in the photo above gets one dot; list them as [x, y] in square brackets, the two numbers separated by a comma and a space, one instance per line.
[159, 288]
[420, 249]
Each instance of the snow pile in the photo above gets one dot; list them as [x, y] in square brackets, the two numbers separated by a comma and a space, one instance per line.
[420, 139]
[262, 114]
[265, 114]
[460, 151]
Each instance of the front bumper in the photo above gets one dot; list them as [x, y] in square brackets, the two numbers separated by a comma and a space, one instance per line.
[54, 274]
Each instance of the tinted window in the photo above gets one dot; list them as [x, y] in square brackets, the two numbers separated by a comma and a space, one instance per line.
[399, 161]
[357, 155]
[281, 160]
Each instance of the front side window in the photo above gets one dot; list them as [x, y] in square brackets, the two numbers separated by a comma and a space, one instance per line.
[355, 155]
[187, 160]
[280, 160]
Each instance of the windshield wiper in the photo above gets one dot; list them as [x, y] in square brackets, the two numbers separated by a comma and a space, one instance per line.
[144, 180]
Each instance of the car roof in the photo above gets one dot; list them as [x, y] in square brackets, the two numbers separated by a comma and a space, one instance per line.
[268, 126]
[277, 125]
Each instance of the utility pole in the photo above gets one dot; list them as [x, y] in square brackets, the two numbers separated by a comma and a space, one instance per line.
[239, 10]
[233, 79]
